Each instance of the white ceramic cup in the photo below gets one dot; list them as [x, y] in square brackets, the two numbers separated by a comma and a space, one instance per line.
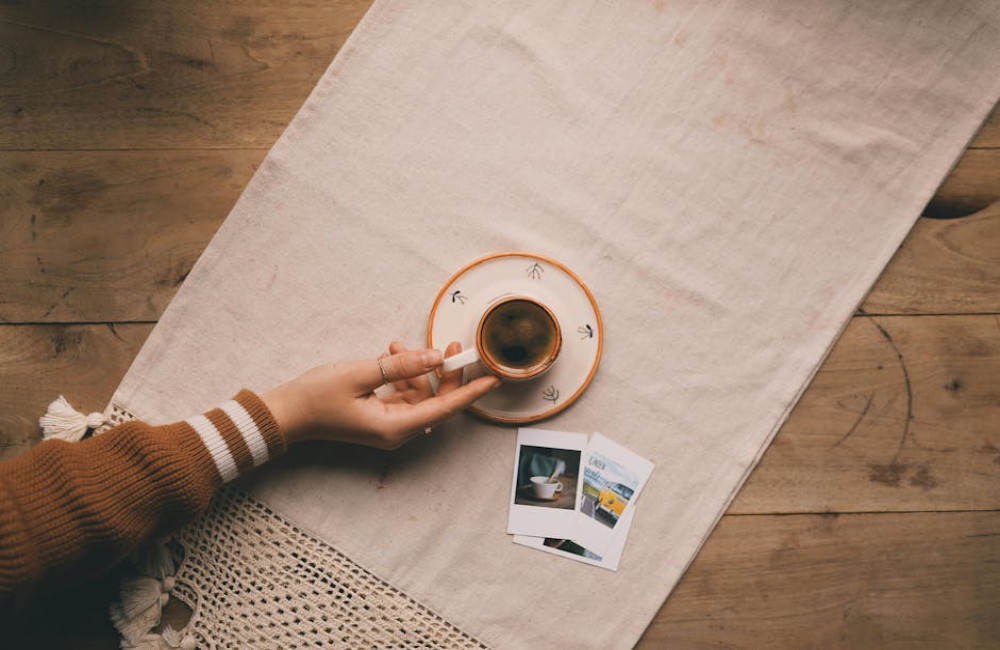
[543, 488]
[512, 325]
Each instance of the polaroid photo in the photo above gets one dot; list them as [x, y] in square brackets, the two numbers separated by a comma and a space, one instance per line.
[612, 479]
[547, 476]
[573, 551]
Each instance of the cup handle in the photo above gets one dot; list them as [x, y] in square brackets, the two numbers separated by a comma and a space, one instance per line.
[460, 360]
[559, 486]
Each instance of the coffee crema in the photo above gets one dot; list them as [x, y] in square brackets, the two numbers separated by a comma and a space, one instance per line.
[519, 334]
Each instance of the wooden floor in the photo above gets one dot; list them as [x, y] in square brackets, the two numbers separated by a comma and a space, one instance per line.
[127, 132]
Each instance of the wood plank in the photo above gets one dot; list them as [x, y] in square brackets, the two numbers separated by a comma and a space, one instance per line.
[848, 581]
[902, 416]
[865, 580]
[40, 362]
[842, 450]
[989, 134]
[188, 75]
[943, 267]
[973, 185]
[108, 236]
[182, 74]
[787, 579]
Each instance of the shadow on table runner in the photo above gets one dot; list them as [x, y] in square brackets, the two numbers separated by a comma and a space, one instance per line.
[728, 178]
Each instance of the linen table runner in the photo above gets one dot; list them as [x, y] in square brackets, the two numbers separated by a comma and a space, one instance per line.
[729, 178]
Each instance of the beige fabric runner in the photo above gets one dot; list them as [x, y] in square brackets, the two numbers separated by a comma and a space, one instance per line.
[728, 177]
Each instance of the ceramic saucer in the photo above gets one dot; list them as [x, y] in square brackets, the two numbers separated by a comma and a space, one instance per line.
[461, 303]
[527, 492]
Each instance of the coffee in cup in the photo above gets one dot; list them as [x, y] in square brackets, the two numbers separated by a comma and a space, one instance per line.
[517, 338]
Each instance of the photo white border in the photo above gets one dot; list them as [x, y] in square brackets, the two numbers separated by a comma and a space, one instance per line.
[592, 534]
[610, 560]
[536, 521]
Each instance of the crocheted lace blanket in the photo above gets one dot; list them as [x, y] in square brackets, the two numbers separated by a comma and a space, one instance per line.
[254, 580]
[280, 587]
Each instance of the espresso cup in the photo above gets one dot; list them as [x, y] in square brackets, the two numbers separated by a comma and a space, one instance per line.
[517, 338]
[544, 488]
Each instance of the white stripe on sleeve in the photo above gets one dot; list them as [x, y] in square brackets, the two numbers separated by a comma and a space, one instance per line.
[248, 429]
[217, 447]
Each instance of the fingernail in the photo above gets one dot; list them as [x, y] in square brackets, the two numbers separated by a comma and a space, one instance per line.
[432, 357]
[496, 382]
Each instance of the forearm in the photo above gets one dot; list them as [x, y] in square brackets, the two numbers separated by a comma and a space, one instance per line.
[71, 510]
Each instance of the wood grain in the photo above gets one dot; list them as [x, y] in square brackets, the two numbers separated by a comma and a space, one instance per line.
[127, 131]
[173, 75]
[112, 75]
[901, 416]
[41, 362]
[851, 581]
[989, 134]
[972, 185]
[943, 267]
[108, 236]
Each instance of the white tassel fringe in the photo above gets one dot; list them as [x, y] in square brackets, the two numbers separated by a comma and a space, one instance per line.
[142, 604]
[134, 630]
[148, 642]
[64, 422]
[140, 593]
[142, 601]
[155, 561]
[172, 640]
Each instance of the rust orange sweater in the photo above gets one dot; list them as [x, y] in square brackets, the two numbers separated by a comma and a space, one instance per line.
[70, 510]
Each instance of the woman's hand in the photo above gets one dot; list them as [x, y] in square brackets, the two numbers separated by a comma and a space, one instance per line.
[337, 401]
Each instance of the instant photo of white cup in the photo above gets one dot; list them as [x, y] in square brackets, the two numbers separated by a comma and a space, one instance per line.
[542, 505]
[517, 338]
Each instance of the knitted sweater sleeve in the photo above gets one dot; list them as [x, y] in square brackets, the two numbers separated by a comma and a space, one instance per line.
[70, 510]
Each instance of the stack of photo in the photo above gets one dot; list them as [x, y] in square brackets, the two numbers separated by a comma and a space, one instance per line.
[575, 495]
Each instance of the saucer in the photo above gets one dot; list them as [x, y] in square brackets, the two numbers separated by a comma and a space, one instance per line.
[527, 492]
[462, 301]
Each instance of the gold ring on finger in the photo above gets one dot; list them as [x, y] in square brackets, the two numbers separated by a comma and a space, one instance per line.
[381, 369]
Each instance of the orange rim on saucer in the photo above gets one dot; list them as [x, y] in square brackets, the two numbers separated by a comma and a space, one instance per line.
[599, 330]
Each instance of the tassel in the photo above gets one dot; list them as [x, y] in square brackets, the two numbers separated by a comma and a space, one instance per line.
[173, 640]
[134, 630]
[156, 560]
[142, 601]
[139, 611]
[139, 594]
[148, 642]
[62, 421]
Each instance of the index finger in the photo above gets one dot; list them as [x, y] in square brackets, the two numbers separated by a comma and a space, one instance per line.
[369, 374]
[443, 406]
